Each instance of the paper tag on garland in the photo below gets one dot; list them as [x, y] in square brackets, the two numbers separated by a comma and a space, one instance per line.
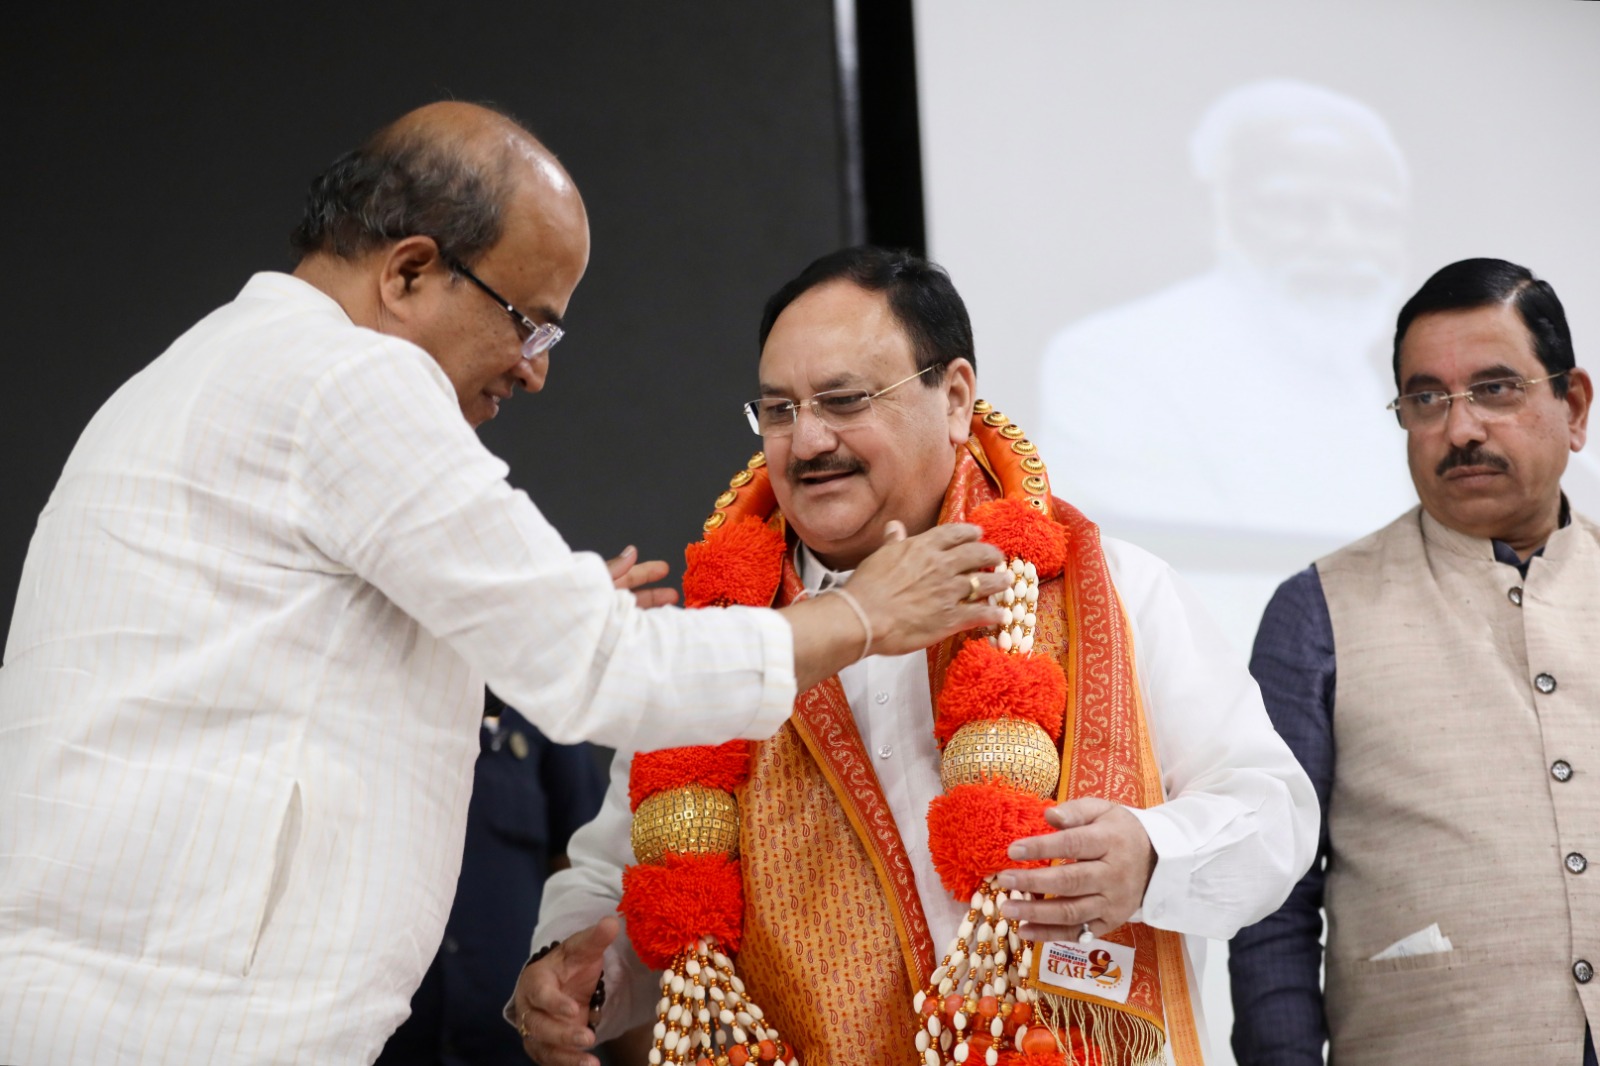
[1099, 968]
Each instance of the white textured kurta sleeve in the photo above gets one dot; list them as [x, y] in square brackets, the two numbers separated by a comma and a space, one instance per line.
[1239, 826]
[392, 483]
[578, 897]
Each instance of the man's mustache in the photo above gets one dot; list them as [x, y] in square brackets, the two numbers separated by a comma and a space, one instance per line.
[824, 464]
[1473, 456]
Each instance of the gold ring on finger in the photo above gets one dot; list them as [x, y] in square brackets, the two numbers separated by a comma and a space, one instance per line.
[972, 592]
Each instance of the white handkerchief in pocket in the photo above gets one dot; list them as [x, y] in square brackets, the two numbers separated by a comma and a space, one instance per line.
[1427, 941]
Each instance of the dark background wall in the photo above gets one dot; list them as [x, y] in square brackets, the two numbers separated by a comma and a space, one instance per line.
[157, 157]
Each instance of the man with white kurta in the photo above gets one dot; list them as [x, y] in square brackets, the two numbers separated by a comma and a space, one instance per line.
[1439, 681]
[868, 393]
[241, 692]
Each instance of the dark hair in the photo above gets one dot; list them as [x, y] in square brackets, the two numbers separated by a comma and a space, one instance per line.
[1473, 283]
[403, 185]
[920, 294]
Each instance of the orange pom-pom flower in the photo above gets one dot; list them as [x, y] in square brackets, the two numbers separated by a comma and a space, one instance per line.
[984, 682]
[724, 767]
[669, 906]
[971, 826]
[741, 563]
[1020, 531]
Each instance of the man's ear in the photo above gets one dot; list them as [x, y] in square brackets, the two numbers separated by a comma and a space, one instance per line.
[408, 272]
[1580, 395]
[961, 392]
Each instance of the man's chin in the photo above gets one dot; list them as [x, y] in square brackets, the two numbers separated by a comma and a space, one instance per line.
[1477, 508]
[830, 533]
[483, 411]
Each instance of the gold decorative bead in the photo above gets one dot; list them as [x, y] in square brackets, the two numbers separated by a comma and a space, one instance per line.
[1012, 432]
[1035, 484]
[692, 819]
[1024, 447]
[1033, 464]
[996, 419]
[982, 407]
[757, 461]
[740, 480]
[1008, 749]
[1037, 503]
[716, 519]
[726, 498]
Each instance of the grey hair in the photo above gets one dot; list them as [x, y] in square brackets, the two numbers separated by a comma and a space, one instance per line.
[398, 186]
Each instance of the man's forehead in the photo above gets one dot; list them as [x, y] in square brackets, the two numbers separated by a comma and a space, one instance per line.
[1467, 344]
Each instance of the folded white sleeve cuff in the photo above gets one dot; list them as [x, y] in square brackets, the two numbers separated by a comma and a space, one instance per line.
[1170, 881]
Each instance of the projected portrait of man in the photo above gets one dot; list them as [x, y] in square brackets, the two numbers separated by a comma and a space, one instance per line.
[1235, 419]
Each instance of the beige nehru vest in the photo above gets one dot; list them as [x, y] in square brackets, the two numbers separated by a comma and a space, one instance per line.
[1466, 792]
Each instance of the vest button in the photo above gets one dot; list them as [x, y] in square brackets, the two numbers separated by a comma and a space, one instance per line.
[1577, 863]
[1515, 595]
[1583, 971]
[1545, 683]
[1561, 770]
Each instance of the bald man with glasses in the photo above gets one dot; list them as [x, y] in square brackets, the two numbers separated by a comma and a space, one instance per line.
[241, 695]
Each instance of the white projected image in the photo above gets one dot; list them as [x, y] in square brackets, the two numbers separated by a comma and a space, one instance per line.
[1193, 393]
[1206, 404]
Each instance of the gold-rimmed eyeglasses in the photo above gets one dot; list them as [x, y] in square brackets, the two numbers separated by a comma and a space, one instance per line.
[1495, 398]
[773, 416]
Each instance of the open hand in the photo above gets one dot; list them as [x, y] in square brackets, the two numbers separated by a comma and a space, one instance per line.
[919, 590]
[628, 574]
[551, 1003]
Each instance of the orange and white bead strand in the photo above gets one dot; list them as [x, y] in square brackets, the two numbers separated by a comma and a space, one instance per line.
[1016, 632]
[979, 1000]
[705, 1019]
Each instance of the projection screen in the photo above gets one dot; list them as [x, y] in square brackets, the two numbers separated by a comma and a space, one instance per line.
[1183, 231]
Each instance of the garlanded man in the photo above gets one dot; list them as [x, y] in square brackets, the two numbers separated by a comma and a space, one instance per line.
[854, 890]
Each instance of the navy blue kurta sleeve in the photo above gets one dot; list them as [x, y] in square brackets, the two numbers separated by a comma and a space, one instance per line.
[1275, 966]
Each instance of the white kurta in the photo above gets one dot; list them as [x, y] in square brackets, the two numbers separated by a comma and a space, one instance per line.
[240, 699]
[1238, 829]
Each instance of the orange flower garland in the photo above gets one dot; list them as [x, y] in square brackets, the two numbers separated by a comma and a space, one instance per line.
[684, 900]
[1000, 716]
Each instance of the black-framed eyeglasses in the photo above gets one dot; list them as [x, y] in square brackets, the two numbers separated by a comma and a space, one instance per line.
[1496, 398]
[773, 416]
[541, 336]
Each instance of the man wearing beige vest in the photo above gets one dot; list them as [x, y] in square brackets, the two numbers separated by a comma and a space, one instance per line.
[1458, 756]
